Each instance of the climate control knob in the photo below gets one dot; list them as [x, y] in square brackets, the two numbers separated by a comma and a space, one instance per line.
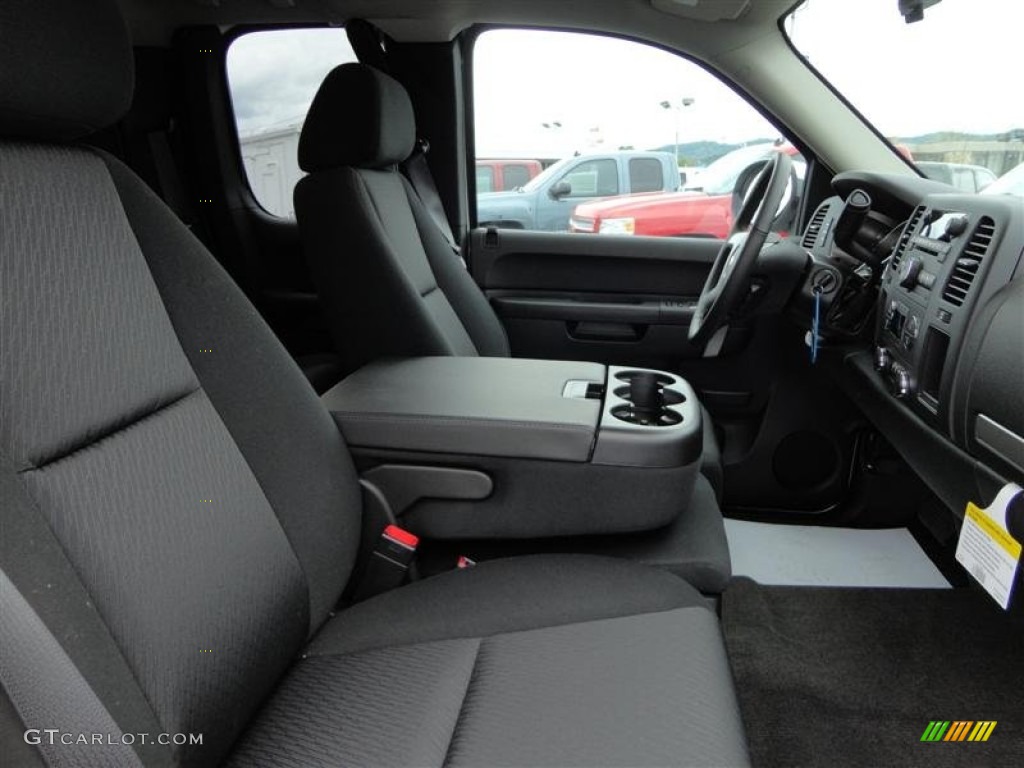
[956, 226]
[909, 271]
[900, 383]
[883, 359]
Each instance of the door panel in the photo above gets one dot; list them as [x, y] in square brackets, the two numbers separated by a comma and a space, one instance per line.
[619, 300]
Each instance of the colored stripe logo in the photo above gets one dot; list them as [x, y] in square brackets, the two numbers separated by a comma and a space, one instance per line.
[958, 730]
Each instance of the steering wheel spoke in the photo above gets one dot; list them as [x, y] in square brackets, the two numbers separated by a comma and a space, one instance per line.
[726, 283]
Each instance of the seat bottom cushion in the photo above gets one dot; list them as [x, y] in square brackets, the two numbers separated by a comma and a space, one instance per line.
[612, 664]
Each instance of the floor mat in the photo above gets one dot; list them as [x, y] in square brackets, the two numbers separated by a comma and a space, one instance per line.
[852, 677]
[833, 557]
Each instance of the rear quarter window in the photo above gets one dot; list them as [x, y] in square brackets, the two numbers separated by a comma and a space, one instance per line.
[273, 76]
[484, 179]
[516, 176]
[645, 175]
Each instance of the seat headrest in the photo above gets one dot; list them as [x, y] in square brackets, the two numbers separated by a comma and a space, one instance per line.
[360, 118]
[65, 68]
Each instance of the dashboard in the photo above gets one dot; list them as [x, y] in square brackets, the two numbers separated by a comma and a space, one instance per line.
[923, 289]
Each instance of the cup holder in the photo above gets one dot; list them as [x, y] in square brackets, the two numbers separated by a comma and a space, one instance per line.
[668, 396]
[661, 378]
[631, 415]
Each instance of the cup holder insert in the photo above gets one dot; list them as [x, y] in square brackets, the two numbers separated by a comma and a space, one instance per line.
[631, 415]
[668, 396]
[628, 376]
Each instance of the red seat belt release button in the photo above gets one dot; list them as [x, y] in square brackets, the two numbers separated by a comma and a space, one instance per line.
[398, 545]
[388, 564]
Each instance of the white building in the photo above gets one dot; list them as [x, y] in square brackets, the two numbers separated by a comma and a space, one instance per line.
[271, 161]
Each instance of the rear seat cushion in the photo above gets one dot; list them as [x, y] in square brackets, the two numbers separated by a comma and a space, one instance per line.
[542, 660]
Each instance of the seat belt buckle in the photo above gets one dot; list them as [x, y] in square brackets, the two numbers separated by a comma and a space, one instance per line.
[389, 563]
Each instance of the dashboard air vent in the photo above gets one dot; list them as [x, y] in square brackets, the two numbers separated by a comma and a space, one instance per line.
[814, 228]
[967, 265]
[905, 238]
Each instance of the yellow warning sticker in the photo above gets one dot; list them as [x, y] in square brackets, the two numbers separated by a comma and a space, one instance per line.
[987, 550]
[994, 531]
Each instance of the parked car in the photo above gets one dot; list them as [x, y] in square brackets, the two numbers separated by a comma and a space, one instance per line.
[688, 175]
[969, 178]
[546, 201]
[495, 175]
[1010, 183]
[702, 209]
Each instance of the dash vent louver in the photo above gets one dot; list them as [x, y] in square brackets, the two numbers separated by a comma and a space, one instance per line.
[969, 262]
[905, 238]
[814, 228]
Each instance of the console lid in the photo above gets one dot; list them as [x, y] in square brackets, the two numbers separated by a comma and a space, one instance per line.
[484, 406]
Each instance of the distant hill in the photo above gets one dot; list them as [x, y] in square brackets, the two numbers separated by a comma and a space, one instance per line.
[701, 153]
[1017, 134]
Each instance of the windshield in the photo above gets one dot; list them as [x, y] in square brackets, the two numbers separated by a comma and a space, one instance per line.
[940, 89]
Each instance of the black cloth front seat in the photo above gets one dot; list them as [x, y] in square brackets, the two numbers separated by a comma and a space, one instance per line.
[389, 283]
[180, 515]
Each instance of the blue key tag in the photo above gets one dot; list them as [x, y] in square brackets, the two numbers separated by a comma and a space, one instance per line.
[816, 326]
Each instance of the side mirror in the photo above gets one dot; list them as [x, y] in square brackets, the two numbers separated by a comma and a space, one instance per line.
[560, 190]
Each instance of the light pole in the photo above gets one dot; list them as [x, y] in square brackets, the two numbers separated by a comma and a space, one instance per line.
[555, 127]
[677, 109]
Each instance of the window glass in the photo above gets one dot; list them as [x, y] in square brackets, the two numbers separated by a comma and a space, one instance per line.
[484, 178]
[609, 119]
[946, 101]
[645, 175]
[963, 178]
[595, 178]
[273, 76]
[516, 175]
[983, 177]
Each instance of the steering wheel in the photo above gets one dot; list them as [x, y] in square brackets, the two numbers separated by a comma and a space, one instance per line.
[727, 281]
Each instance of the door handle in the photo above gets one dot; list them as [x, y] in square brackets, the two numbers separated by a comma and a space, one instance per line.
[593, 331]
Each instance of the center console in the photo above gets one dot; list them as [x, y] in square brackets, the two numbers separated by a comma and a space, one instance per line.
[477, 448]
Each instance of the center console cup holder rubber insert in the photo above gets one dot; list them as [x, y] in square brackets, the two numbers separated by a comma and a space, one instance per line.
[628, 376]
[631, 415]
[669, 396]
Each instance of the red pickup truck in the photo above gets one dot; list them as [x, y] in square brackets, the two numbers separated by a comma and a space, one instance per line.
[501, 175]
[702, 210]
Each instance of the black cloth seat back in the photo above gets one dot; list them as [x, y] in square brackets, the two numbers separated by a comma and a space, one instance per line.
[202, 495]
[389, 283]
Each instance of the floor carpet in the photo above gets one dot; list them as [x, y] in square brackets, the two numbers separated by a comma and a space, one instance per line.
[852, 677]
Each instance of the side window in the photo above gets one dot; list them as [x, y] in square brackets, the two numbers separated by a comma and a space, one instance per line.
[561, 104]
[645, 175]
[484, 178]
[595, 178]
[982, 178]
[963, 179]
[273, 76]
[516, 175]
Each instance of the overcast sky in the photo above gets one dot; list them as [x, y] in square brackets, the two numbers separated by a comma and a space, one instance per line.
[607, 92]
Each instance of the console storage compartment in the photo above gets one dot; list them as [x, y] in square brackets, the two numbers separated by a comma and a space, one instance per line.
[530, 448]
